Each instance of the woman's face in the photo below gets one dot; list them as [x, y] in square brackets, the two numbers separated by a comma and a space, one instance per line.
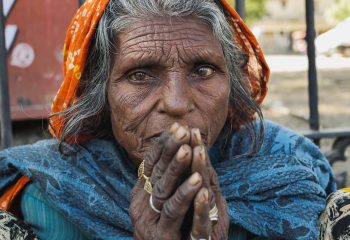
[167, 70]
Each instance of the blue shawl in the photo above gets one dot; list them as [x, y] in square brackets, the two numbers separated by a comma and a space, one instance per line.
[278, 193]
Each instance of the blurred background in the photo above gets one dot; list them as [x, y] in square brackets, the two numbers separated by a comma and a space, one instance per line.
[35, 30]
[281, 29]
[280, 26]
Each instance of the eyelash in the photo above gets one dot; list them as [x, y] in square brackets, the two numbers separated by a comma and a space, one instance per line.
[130, 73]
[204, 65]
[134, 71]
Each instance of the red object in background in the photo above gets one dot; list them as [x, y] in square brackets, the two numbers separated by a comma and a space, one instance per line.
[299, 43]
[35, 33]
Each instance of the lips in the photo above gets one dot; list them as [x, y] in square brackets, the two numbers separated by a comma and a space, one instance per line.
[156, 136]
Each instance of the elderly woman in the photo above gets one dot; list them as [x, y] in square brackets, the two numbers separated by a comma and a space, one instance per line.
[157, 137]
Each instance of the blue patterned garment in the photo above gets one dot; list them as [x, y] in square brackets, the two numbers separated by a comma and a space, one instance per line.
[279, 193]
[43, 218]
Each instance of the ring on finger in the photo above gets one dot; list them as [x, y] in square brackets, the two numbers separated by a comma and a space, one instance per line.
[193, 238]
[152, 205]
[141, 174]
[214, 215]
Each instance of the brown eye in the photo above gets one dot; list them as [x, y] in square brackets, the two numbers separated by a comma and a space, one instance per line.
[204, 71]
[139, 77]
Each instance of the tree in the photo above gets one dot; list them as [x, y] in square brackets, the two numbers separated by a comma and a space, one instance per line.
[255, 9]
[340, 10]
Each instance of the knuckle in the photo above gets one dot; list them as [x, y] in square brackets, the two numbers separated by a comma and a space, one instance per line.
[177, 205]
[159, 192]
[156, 175]
[149, 156]
[168, 154]
[171, 148]
[174, 169]
[169, 209]
[149, 162]
[181, 194]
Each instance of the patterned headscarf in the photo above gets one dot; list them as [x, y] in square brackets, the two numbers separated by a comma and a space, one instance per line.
[80, 34]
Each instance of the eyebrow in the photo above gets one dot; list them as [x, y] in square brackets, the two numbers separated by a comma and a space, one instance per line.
[142, 59]
[138, 60]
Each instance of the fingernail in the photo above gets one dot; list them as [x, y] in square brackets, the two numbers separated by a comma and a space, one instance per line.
[173, 128]
[195, 179]
[182, 152]
[197, 135]
[202, 153]
[181, 133]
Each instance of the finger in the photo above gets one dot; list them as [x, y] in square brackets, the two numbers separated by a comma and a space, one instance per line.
[196, 138]
[200, 165]
[176, 171]
[155, 152]
[175, 209]
[201, 228]
[213, 178]
[152, 157]
[178, 138]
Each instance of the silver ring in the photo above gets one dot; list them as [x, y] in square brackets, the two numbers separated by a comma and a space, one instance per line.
[152, 206]
[193, 238]
[214, 214]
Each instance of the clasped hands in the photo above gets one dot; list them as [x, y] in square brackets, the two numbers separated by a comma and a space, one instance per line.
[177, 195]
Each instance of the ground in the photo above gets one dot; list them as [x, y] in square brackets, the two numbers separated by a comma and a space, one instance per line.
[287, 100]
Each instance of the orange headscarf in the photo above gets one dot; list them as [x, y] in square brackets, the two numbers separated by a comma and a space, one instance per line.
[81, 31]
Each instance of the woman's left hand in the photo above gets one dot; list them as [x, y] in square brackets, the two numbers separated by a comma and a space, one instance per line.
[201, 164]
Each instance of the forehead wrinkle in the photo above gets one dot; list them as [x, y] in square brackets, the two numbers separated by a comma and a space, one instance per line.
[163, 45]
[165, 37]
[179, 41]
[142, 34]
[172, 52]
[152, 32]
[176, 26]
[140, 56]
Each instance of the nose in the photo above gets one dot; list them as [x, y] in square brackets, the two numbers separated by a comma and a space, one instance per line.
[177, 98]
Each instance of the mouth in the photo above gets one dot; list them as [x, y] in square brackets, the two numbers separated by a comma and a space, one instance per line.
[155, 138]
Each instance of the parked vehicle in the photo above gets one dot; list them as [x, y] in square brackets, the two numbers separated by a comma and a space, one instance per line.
[34, 35]
[336, 40]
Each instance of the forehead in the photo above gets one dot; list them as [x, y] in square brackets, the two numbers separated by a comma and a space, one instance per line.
[164, 35]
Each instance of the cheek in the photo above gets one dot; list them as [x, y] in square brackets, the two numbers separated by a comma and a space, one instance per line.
[213, 104]
[214, 95]
[128, 116]
[120, 117]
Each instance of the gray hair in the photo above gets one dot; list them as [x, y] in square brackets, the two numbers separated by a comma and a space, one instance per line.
[90, 114]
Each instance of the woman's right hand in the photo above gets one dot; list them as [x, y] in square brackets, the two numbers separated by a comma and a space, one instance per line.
[174, 192]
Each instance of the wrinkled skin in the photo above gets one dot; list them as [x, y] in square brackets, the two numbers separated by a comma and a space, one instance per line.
[171, 70]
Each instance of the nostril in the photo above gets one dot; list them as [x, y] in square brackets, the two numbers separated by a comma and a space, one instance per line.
[176, 108]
